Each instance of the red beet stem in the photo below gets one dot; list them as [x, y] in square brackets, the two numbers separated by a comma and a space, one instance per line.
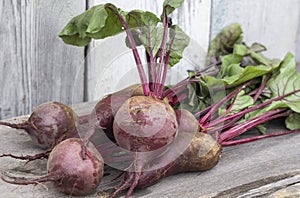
[162, 54]
[200, 113]
[179, 99]
[163, 81]
[256, 107]
[152, 65]
[223, 127]
[176, 89]
[241, 128]
[251, 139]
[199, 73]
[221, 102]
[136, 55]
[261, 88]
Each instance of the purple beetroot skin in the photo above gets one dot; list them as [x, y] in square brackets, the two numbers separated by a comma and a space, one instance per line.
[49, 124]
[73, 168]
[144, 124]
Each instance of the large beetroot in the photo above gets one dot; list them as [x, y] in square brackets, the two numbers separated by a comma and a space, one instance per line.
[73, 168]
[145, 124]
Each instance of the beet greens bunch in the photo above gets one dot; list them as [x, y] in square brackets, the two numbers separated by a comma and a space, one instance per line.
[164, 42]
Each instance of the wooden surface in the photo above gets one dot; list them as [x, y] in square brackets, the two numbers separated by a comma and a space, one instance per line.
[35, 65]
[266, 168]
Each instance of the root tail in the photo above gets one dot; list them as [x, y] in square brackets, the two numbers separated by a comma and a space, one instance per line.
[29, 157]
[24, 181]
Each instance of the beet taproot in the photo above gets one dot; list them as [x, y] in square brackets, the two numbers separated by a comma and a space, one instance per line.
[49, 124]
[202, 154]
[144, 124]
[75, 168]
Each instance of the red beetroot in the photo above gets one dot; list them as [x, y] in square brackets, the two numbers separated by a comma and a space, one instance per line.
[145, 124]
[202, 154]
[107, 107]
[73, 168]
[49, 124]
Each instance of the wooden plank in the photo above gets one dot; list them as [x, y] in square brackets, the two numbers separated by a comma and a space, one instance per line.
[111, 65]
[298, 44]
[35, 65]
[274, 23]
[262, 166]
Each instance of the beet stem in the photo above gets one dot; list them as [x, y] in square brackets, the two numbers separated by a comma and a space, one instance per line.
[251, 139]
[261, 88]
[162, 54]
[176, 89]
[150, 57]
[199, 73]
[222, 101]
[241, 128]
[137, 58]
[243, 112]
[179, 99]
[163, 81]
[225, 126]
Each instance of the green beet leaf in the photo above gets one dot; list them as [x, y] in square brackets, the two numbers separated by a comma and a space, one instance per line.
[224, 42]
[170, 5]
[98, 22]
[293, 121]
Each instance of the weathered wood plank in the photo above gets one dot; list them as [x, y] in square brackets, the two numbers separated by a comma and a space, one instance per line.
[269, 164]
[274, 23]
[35, 65]
[298, 43]
[111, 65]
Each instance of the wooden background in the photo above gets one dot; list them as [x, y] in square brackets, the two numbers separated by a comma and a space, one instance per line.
[36, 66]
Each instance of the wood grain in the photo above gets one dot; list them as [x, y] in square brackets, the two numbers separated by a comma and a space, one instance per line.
[35, 65]
[274, 23]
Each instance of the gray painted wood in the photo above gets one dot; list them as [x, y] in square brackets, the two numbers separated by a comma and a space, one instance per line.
[272, 23]
[264, 166]
[35, 65]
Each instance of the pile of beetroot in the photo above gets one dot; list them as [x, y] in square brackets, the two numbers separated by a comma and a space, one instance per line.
[152, 130]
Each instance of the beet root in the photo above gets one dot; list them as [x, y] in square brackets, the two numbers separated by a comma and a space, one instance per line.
[203, 154]
[107, 107]
[49, 124]
[74, 167]
[144, 124]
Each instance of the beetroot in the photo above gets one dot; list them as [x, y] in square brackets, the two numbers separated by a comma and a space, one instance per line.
[202, 154]
[107, 107]
[73, 168]
[174, 155]
[144, 124]
[49, 124]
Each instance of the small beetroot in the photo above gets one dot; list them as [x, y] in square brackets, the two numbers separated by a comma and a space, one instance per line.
[75, 168]
[49, 124]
